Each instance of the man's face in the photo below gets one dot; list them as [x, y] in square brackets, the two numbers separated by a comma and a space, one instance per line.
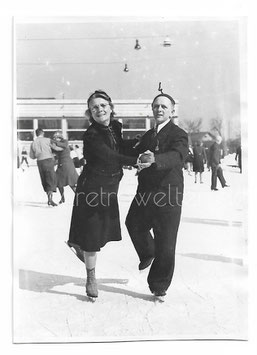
[162, 109]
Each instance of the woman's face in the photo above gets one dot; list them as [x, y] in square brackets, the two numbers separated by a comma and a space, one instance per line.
[100, 110]
[57, 137]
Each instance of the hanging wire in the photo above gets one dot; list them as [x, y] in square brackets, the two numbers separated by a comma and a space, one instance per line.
[213, 54]
[116, 38]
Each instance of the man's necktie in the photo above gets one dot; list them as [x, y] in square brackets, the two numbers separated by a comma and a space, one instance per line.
[155, 131]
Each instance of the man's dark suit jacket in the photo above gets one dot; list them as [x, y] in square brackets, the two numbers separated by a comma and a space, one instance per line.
[214, 154]
[170, 147]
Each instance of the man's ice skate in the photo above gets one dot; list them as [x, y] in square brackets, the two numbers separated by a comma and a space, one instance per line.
[160, 299]
[159, 296]
[91, 285]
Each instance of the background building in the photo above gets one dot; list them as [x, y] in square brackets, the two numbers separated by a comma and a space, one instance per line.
[69, 117]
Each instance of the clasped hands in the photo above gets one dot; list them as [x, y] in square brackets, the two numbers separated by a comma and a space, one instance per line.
[145, 160]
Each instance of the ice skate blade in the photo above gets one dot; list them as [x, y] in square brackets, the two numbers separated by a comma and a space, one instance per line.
[92, 299]
[78, 252]
[160, 299]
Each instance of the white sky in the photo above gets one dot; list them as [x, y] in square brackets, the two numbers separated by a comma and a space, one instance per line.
[75, 56]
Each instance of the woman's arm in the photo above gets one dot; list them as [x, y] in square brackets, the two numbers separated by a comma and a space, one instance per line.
[94, 144]
[55, 147]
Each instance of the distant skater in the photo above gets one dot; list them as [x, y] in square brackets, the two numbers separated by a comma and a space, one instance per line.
[81, 159]
[214, 161]
[41, 149]
[238, 158]
[66, 173]
[24, 157]
[189, 160]
[199, 160]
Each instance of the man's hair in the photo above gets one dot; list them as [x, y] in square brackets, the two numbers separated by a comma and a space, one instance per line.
[165, 95]
[39, 131]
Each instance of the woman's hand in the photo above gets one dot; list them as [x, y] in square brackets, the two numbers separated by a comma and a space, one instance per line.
[145, 160]
[147, 157]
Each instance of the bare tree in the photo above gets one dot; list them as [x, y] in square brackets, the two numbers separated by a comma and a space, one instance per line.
[192, 126]
[216, 125]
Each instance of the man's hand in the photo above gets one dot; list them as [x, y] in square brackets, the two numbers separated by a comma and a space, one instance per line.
[147, 157]
[145, 160]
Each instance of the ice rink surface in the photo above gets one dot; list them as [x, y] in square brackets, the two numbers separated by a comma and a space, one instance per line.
[206, 300]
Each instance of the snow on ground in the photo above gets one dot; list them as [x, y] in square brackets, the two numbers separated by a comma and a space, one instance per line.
[206, 300]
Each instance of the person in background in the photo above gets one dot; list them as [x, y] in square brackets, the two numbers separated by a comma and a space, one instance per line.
[19, 149]
[74, 158]
[66, 173]
[41, 149]
[214, 162]
[24, 157]
[81, 159]
[189, 160]
[238, 158]
[157, 203]
[199, 159]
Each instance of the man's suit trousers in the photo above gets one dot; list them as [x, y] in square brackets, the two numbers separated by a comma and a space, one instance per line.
[164, 220]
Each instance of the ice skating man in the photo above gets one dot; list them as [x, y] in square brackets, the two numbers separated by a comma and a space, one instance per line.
[41, 149]
[157, 204]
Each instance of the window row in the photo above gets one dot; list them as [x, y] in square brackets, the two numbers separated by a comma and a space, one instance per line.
[79, 123]
[53, 123]
[74, 129]
[72, 135]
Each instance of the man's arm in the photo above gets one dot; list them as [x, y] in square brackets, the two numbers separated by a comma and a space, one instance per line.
[175, 156]
[129, 146]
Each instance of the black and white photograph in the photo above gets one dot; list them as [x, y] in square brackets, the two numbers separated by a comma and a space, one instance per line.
[130, 179]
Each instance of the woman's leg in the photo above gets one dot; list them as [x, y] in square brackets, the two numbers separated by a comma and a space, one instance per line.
[61, 189]
[91, 284]
[188, 168]
[201, 178]
[90, 259]
[195, 178]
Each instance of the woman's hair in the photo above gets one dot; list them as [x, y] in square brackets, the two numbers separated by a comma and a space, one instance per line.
[58, 134]
[99, 94]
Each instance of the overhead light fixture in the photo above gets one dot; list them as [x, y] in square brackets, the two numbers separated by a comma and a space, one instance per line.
[160, 87]
[167, 42]
[137, 46]
[126, 69]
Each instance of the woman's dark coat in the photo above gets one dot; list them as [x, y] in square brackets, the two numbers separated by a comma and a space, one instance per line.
[95, 217]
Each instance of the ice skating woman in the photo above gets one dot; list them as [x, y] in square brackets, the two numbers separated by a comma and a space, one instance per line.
[95, 217]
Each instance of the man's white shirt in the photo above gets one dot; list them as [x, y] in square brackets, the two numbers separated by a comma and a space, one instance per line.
[161, 125]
